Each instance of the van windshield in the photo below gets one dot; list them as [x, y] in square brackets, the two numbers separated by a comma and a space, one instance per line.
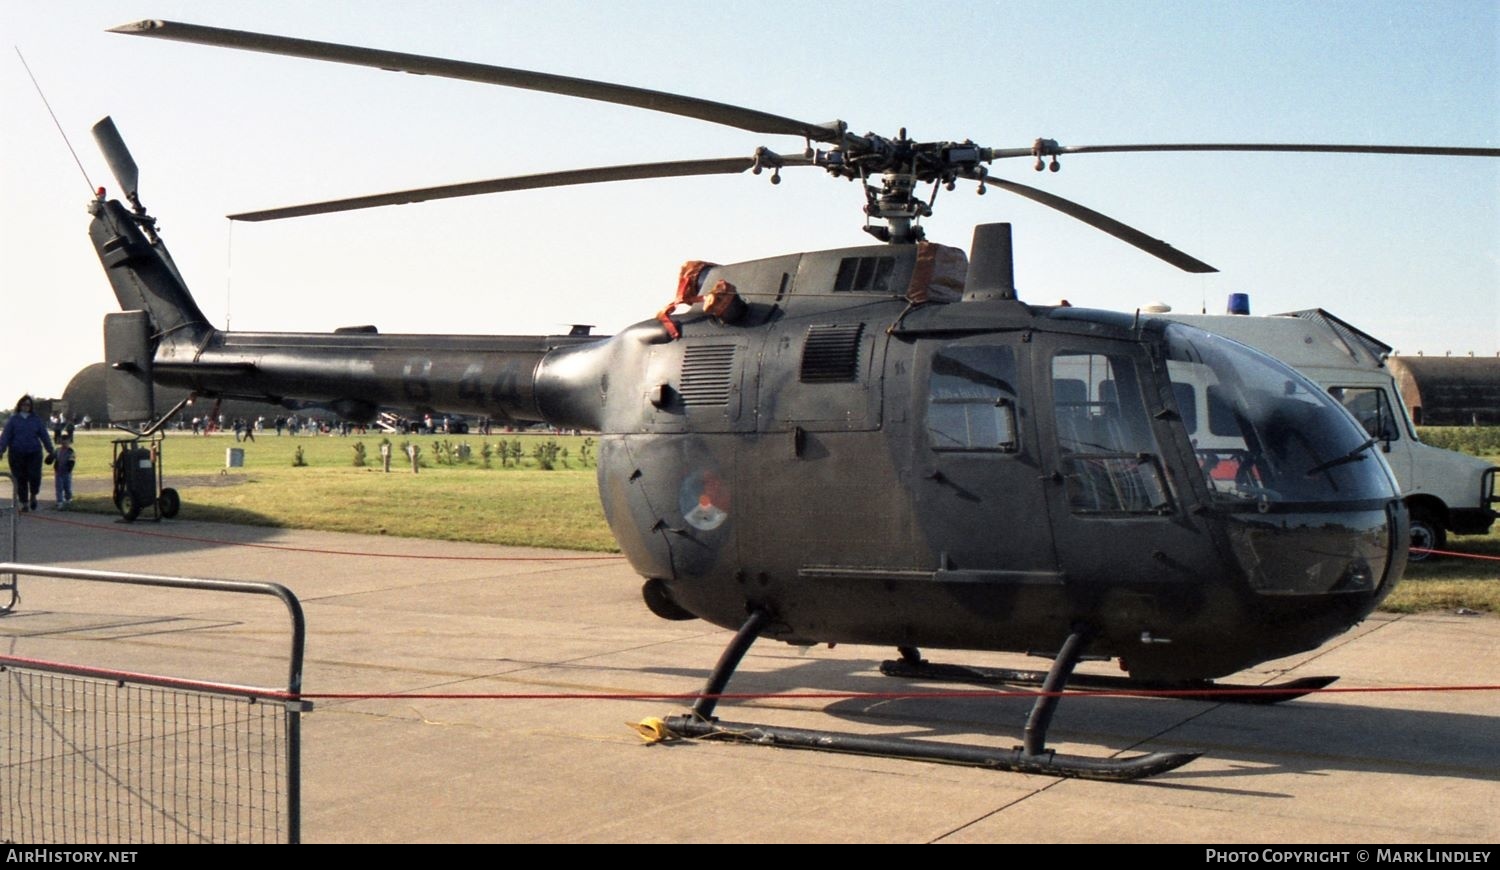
[1272, 436]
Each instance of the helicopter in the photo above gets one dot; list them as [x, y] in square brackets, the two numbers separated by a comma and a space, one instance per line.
[880, 444]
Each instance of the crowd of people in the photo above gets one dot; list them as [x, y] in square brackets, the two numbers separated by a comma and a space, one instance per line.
[246, 429]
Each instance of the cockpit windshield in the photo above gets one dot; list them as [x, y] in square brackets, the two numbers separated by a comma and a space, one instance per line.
[1262, 432]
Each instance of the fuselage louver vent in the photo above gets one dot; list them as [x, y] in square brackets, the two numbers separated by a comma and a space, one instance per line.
[707, 374]
[865, 275]
[831, 353]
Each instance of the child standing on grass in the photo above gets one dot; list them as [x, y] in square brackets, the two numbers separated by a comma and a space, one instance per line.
[63, 473]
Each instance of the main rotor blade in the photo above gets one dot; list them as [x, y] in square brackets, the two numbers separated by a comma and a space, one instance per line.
[1153, 246]
[642, 98]
[720, 166]
[1048, 150]
[118, 157]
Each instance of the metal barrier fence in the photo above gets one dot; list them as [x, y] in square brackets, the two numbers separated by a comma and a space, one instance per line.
[10, 591]
[92, 755]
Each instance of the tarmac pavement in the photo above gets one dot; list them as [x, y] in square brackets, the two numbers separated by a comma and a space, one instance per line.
[1351, 768]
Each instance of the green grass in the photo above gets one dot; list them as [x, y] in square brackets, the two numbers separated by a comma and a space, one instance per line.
[1453, 582]
[525, 506]
[1477, 440]
[1419, 594]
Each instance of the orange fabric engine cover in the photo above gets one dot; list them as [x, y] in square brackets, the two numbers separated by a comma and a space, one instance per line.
[688, 281]
[939, 274]
[723, 302]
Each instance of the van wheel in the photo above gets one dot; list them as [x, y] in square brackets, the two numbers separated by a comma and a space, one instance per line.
[1427, 533]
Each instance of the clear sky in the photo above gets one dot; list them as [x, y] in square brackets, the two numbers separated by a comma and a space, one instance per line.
[1403, 247]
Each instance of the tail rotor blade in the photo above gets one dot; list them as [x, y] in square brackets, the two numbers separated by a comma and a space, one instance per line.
[118, 156]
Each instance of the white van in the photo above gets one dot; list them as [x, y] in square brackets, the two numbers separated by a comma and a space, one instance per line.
[1445, 491]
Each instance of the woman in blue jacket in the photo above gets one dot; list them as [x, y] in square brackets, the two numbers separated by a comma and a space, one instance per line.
[26, 438]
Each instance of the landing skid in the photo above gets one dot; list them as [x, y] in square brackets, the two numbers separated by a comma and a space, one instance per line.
[912, 666]
[1031, 757]
[1014, 759]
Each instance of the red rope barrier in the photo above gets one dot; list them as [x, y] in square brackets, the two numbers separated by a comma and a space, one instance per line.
[1207, 693]
[873, 696]
[1455, 553]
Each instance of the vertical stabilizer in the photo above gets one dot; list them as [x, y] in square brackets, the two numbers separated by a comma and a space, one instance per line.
[143, 275]
[127, 382]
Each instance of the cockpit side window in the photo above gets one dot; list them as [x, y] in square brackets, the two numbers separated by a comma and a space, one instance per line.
[971, 399]
[1105, 444]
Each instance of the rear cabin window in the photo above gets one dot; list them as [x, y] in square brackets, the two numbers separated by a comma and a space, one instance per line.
[971, 399]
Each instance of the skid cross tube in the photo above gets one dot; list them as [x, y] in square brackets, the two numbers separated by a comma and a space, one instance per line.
[730, 659]
[1033, 757]
[1046, 703]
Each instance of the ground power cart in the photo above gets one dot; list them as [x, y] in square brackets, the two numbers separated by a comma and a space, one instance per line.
[138, 488]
